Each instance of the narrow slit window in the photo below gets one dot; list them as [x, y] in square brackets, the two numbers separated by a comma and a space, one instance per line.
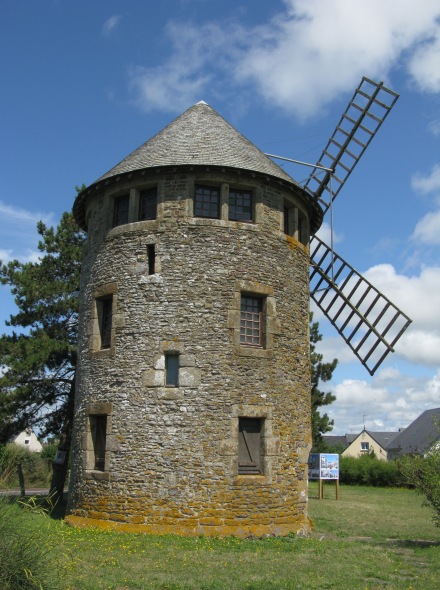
[105, 313]
[207, 202]
[98, 428]
[251, 319]
[249, 446]
[240, 205]
[120, 211]
[151, 255]
[148, 204]
[172, 370]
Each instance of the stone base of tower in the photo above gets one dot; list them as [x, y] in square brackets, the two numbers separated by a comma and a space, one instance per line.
[281, 526]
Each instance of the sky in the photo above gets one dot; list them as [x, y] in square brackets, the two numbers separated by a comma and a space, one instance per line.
[85, 82]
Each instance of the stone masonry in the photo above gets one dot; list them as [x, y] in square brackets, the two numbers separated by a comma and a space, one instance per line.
[175, 283]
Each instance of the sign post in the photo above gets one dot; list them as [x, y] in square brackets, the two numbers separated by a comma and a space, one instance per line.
[324, 466]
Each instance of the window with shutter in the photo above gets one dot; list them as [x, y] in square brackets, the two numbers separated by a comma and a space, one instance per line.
[249, 446]
[120, 210]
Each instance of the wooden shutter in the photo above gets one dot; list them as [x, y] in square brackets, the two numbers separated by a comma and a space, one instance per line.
[249, 446]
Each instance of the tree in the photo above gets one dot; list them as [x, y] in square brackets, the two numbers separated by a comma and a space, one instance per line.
[38, 360]
[321, 373]
[424, 474]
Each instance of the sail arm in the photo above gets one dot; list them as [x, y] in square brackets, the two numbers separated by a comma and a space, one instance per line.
[365, 318]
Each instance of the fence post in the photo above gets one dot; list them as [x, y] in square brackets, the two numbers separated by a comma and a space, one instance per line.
[21, 479]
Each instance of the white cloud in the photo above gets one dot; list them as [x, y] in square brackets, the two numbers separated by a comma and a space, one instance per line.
[424, 64]
[426, 184]
[388, 402]
[427, 230]
[301, 59]
[110, 25]
[18, 232]
[434, 127]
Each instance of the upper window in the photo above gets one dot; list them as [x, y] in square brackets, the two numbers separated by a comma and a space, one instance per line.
[240, 205]
[249, 446]
[148, 204]
[251, 315]
[365, 446]
[172, 369]
[207, 202]
[120, 210]
[105, 312]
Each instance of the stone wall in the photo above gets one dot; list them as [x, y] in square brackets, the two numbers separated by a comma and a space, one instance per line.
[171, 452]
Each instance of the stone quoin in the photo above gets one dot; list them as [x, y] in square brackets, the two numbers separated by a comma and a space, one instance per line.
[192, 405]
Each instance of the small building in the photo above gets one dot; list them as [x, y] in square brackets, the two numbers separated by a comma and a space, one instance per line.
[28, 439]
[370, 442]
[419, 437]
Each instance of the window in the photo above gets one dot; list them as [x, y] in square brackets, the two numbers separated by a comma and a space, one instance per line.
[151, 255]
[148, 204]
[240, 205]
[98, 429]
[105, 311]
[365, 446]
[207, 202]
[171, 370]
[249, 446]
[251, 315]
[120, 211]
[26, 441]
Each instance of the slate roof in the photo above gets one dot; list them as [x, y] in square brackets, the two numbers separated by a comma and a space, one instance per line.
[420, 435]
[198, 137]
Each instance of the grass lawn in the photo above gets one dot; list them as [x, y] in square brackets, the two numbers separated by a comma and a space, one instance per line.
[370, 538]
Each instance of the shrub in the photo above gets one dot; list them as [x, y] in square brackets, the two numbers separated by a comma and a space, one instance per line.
[35, 468]
[25, 563]
[368, 470]
[424, 474]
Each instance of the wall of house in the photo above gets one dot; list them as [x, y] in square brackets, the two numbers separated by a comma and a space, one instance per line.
[357, 447]
[28, 439]
[171, 452]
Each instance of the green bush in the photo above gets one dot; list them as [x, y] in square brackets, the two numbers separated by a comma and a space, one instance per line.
[36, 469]
[424, 474]
[368, 470]
[25, 560]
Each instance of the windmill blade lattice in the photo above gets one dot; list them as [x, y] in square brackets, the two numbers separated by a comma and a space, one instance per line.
[367, 320]
[365, 113]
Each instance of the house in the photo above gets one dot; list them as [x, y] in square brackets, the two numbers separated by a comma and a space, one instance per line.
[419, 437]
[370, 442]
[28, 439]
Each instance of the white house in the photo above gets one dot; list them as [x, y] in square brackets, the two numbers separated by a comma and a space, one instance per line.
[28, 439]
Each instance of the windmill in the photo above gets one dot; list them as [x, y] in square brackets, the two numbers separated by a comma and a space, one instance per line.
[365, 318]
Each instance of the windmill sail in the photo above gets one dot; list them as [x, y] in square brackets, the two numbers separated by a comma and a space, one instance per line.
[367, 320]
[365, 113]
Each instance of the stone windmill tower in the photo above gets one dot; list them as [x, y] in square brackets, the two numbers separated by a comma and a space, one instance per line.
[192, 407]
[193, 396]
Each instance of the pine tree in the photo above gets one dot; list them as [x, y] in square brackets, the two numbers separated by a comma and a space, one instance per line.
[321, 373]
[38, 358]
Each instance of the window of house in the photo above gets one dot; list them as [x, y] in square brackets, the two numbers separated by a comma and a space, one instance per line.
[251, 321]
[249, 446]
[171, 370]
[365, 446]
[105, 311]
[98, 429]
[207, 202]
[26, 441]
[120, 210]
[240, 205]
[148, 204]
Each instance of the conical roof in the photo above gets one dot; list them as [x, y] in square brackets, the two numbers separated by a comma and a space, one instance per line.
[200, 136]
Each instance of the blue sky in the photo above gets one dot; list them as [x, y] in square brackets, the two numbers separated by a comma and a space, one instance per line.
[86, 82]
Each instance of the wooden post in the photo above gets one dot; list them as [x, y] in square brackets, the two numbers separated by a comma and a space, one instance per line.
[21, 479]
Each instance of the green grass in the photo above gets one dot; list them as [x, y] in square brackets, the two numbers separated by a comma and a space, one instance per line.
[399, 550]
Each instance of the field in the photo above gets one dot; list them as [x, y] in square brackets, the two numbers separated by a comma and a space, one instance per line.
[371, 538]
